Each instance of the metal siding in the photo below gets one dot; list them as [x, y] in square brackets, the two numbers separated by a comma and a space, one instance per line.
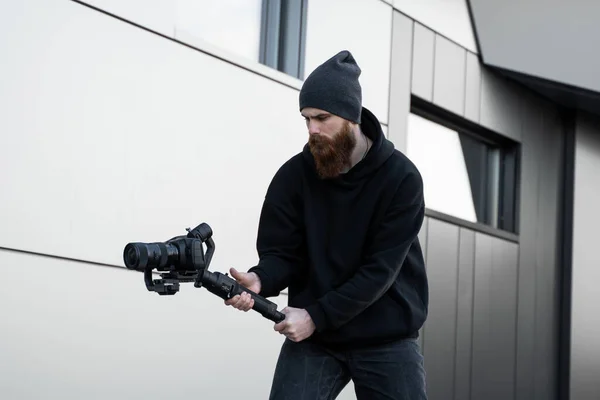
[500, 105]
[423, 238]
[526, 321]
[423, 242]
[547, 269]
[464, 316]
[449, 75]
[402, 40]
[440, 333]
[503, 318]
[585, 346]
[549, 40]
[423, 62]
[505, 347]
[472, 87]
[482, 359]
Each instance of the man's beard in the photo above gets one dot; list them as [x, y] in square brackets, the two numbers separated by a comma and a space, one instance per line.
[332, 156]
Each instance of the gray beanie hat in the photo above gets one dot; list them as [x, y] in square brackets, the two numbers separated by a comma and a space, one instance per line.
[333, 87]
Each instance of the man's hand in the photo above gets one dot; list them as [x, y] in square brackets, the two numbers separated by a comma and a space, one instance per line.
[297, 325]
[244, 302]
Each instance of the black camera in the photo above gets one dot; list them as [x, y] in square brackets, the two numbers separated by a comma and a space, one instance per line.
[182, 259]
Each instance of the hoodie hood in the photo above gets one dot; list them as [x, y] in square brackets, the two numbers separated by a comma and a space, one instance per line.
[378, 154]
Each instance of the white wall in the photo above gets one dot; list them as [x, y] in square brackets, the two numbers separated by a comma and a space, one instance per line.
[157, 15]
[75, 331]
[585, 319]
[228, 26]
[112, 134]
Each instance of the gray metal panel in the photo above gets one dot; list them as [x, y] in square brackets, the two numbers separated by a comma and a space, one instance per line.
[472, 87]
[423, 62]
[402, 39]
[494, 318]
[440, 332]
[558, 48]
[423, 234]
[585, 346]
[500, 105]
[449, 75]
[503, 318]
[423, 242]
[481, 378]
[464, 316]
[530, 172]
[546, 341]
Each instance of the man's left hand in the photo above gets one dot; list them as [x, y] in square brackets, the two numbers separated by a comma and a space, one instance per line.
[297, 325]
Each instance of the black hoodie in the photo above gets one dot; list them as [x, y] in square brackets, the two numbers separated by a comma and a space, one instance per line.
[347, 248]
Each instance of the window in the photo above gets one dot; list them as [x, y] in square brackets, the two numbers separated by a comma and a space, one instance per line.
[271, 32]
[283, 37]
[464, 175]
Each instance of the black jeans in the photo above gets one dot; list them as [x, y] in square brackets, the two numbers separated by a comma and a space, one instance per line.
[311, 372]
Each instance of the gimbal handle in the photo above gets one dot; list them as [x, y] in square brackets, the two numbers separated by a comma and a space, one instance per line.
[226, 288]
[222, 285]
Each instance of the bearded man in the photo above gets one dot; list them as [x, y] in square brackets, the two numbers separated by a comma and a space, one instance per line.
[339, 228]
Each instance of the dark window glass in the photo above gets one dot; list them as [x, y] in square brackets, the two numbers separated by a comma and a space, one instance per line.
[464, 175]
[283, 35]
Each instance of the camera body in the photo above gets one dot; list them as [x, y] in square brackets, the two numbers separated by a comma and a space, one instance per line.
[182, 259]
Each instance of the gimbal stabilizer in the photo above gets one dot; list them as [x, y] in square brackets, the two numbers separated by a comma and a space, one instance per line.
[184, 259]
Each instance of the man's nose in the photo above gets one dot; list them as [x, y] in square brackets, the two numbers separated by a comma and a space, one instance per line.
[313, 128]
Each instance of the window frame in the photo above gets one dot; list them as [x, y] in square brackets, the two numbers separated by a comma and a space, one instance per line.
[507, 224]
[283, 36]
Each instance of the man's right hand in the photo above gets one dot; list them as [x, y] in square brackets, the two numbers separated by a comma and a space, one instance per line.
[251, 281]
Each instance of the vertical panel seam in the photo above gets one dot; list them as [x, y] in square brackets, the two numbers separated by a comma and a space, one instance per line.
[425, 256]
[472, 313]
[542, 117]
[475, 236]
[458, 269]
[516, 348]
[516, 327]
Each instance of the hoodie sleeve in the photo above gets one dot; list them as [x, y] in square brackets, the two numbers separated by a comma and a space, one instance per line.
[279, 239]
[382, 262]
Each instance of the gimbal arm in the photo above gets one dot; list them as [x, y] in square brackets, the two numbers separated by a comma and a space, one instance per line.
[184, 259]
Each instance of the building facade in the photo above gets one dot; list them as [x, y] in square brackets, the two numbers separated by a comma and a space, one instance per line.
[132, 120]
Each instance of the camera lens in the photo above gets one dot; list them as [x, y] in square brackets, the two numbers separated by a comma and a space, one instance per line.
[160, 255]
[135, 256]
